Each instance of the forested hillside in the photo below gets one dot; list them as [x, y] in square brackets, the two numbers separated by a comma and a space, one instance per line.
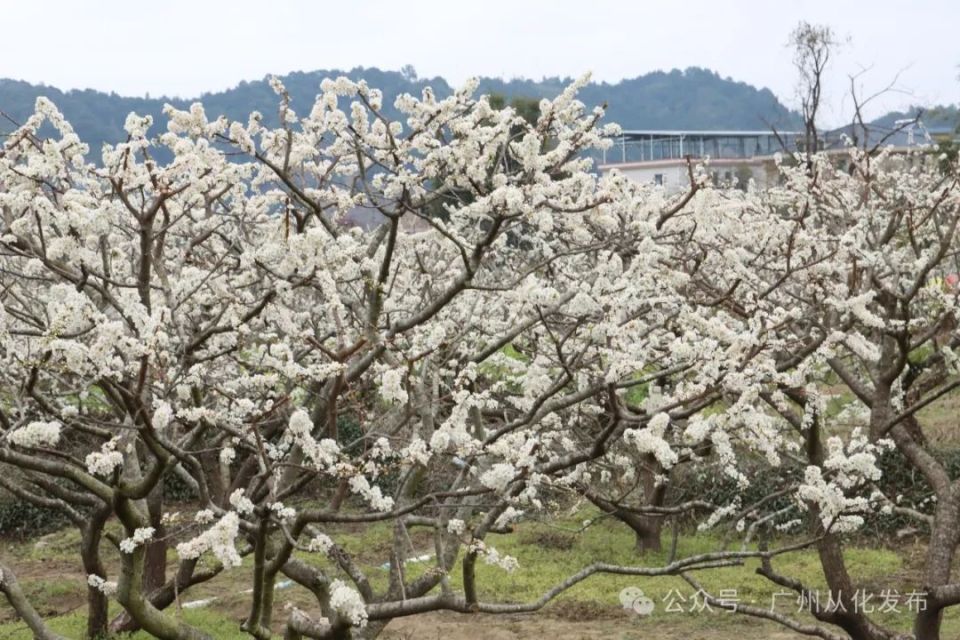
[691, 99]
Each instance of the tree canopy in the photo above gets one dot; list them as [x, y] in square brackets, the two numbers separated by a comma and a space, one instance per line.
[210, 318]
[694, 98]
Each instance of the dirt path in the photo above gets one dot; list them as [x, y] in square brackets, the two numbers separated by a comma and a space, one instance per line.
[452, 626]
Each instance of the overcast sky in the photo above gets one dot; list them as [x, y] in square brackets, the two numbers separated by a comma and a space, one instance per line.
[184, 47]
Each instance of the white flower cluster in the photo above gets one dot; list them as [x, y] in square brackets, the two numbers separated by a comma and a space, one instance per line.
[391, 386]
[348, 603]
[321, 543]
[36, 434]
[105, 587]
[417, 452]
[719, 514]
[162, 415]
[140, 536]
[789, 524]
[323, 453]
[227, 455]
[857, 462]
[241, 502]
[218, 539]
[651, 440]
[456, 527]
[837, 512]
[498, 476]
[510, 515]
[496, 362]
[283, 512]
[69, 310]
[845, 469]
[373, 495]
[453, 432]
[493, 557]
[861, 347]
[105, 461]
[858, 306]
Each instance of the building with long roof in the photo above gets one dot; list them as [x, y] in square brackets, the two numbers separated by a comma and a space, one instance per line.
[735, 157]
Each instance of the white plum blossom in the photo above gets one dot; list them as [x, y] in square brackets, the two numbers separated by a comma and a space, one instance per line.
[854, 463]
[162, 415]
[139, 537]
[837, 512]
[719, 514]
[105, 461]
[515, 326]
[227, 455]
[651, 440]
[348, 603]
[391, 386]
[498, 476]
[493, 557]
[372, 494]
[283, 512]
[36, 434]
[322, 453]
[218, 539]
[242, 503]
[320, 543]
[509, 515]
[106, 587]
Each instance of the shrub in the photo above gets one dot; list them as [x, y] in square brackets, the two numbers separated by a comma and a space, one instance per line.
[20, 519]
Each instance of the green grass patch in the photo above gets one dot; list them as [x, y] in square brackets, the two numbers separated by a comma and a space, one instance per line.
[548, 552]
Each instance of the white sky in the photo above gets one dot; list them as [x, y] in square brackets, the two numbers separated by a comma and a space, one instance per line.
[184, 47]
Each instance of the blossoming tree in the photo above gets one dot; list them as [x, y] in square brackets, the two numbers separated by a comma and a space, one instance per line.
[860, 259]
[865, 264]
[210, 318]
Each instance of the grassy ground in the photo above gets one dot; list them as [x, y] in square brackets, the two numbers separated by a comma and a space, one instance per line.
[547, 554]
[941, 421]
[50, 575]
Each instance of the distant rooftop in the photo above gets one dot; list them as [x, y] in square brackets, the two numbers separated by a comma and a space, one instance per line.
[694, 133]
[658, 145]
[651, 145]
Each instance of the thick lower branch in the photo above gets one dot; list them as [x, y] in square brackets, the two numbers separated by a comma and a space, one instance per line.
[14, 594]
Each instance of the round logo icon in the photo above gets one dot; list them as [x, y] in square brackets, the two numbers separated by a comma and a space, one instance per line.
[632, 598]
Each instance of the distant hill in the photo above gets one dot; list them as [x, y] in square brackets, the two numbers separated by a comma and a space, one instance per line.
[937, 118]
[691, 99]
